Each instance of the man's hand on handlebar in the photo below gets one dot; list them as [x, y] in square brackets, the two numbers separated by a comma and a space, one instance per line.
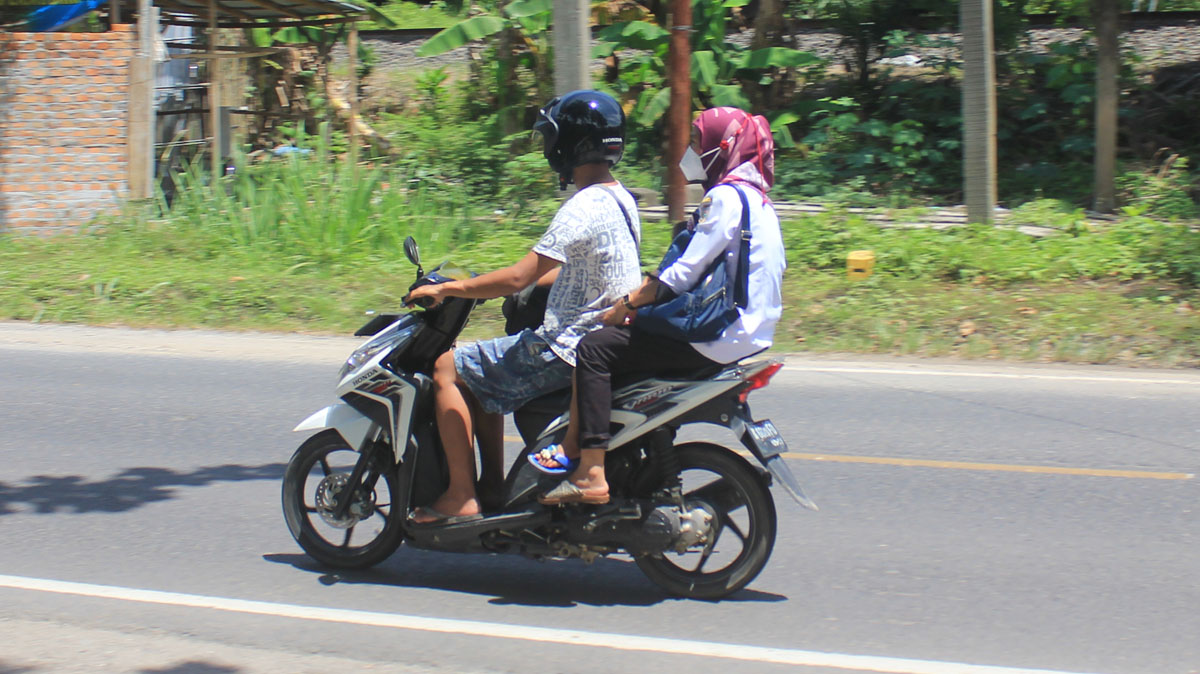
[427, 296]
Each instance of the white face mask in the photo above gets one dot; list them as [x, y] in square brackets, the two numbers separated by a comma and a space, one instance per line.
[692, 164]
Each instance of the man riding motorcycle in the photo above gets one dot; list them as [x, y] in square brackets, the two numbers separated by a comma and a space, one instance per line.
[590, 255]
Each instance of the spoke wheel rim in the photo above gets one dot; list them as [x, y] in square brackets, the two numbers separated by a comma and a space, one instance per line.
[718, 545]
[361, 527]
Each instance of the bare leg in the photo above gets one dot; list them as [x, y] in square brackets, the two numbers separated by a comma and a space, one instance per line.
[454, 425]
[489, 437]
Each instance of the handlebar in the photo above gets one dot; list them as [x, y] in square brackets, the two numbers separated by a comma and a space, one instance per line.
[424, 302]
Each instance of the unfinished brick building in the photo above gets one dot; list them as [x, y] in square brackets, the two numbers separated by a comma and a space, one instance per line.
[77, 109]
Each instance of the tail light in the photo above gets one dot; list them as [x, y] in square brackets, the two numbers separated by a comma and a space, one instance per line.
[759, 380]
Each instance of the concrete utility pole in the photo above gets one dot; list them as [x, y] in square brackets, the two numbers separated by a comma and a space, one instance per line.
[140, 130]
[979, 110]
[1108, 61]
[572, 46]
[679, 120]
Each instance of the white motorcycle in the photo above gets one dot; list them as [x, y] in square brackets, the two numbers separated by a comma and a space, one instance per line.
[697, 517]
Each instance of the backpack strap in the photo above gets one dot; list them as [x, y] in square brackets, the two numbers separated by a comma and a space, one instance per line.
[628, 221]
[741, 289]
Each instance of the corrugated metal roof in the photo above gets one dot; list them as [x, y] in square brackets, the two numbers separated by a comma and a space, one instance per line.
[248, 11]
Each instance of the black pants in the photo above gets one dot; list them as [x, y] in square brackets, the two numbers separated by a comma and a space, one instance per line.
[619, 351]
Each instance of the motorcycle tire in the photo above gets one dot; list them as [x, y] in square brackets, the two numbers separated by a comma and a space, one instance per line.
[743, 488]
[311, 522]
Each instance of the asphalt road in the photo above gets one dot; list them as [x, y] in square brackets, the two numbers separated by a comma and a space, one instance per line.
[1007, 518]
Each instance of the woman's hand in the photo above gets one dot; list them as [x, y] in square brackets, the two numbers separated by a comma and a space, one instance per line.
[618, 314]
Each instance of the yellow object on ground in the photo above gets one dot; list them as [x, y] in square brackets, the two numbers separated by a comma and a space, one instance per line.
[860, 264]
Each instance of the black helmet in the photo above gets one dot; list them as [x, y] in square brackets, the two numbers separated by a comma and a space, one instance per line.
[580, 128]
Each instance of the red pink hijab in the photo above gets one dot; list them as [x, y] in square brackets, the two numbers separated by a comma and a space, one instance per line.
[745, 148]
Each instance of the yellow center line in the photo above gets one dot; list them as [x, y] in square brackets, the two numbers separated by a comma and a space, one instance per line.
[966, 465]
[1002, 467]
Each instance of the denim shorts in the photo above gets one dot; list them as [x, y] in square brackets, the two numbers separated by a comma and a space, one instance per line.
[507, 372]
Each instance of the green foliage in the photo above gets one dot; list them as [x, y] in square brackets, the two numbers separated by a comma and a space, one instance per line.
[1165, 191]
[317, 211]
[468, 30]
[845, 146]
[1045, 132]
[723, 71]
[1132, 248]
[411, 15]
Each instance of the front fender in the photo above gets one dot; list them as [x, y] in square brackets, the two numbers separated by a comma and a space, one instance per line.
[347, 421]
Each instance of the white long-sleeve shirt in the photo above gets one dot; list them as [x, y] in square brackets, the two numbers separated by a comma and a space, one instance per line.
[716, 234]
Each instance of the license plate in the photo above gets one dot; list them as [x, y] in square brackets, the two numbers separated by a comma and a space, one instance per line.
[766, 438]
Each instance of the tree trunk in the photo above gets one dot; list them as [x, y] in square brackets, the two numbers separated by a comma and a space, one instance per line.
[768, 25]
[1108, 61]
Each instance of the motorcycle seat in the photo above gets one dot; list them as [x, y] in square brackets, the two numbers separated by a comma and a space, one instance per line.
[557, 401]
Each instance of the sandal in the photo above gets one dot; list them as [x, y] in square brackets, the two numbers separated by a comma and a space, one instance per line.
[440, 519]
[553, 453]
[567, 492]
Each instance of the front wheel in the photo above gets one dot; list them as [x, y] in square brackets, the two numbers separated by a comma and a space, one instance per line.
[743, 533]
[317, 480]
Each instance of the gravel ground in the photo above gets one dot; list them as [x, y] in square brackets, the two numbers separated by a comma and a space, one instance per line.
[1157, 45]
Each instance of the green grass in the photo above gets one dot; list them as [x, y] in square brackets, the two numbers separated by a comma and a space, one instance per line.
[412, 15]
[307, 245]
[172, 272]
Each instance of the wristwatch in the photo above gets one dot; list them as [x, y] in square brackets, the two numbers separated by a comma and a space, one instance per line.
[628, 305]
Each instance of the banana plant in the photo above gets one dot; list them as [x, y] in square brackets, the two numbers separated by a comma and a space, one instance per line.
[721, 69]
[519, 31]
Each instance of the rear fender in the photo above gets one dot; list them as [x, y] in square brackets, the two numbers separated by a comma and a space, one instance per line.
[349, 423]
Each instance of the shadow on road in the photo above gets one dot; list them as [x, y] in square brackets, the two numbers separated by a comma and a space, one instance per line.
[510, 580]
[129, 489]
[6, 668]
[192, 667]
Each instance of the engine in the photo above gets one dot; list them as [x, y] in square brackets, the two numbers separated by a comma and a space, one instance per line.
[664, 528]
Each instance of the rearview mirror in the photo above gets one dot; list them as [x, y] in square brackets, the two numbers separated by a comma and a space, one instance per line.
[411, 251]
[413, 254]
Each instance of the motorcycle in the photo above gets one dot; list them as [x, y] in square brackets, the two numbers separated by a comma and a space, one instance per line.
[697, 517]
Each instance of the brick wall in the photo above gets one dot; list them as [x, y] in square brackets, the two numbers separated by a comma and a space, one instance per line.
[63, 113]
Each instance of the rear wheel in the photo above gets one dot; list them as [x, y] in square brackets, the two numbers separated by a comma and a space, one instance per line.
[317, 479]
[743, 529]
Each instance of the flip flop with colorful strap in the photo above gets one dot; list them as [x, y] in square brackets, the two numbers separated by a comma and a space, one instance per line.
[553, 453]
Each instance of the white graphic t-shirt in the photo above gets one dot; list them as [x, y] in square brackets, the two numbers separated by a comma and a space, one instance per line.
[599, 259]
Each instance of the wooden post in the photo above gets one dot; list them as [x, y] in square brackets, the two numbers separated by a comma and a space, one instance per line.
[1108, 61]
[140, 133]
[114, 13]
[680, 116]
[572, 46]
[352, 47]
[214, 95]
[979, 110]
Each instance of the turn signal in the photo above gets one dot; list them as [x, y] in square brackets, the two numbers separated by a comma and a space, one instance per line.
[759, 380]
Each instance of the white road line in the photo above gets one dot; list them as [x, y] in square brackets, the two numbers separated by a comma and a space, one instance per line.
[621, 642]
[1183, 381]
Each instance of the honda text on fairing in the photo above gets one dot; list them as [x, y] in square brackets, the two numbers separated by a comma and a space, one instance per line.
[697, 517]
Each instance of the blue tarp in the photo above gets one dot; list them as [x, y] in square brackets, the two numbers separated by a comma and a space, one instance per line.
[53, 17]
